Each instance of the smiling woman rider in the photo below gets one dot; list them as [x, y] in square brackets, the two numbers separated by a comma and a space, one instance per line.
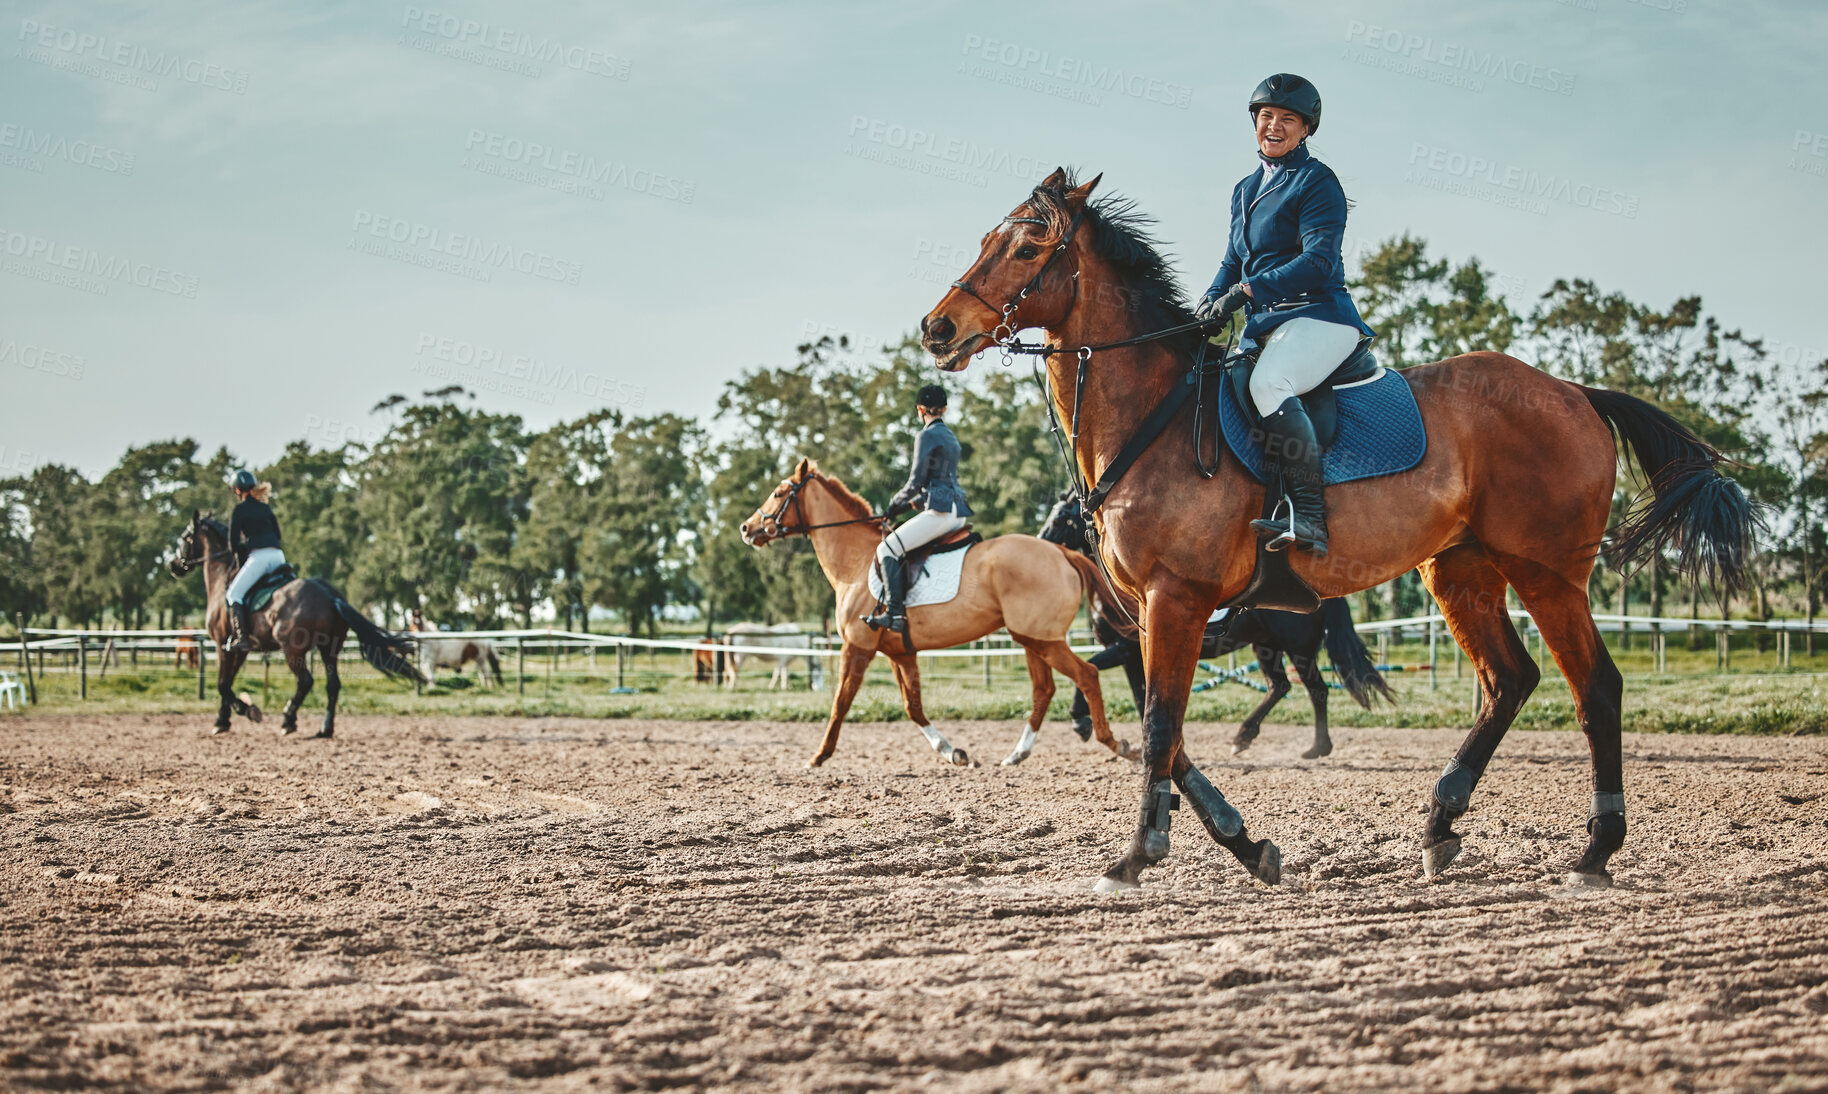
[1283, 268]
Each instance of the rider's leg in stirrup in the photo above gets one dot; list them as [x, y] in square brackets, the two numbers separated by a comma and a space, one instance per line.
[1298, 357]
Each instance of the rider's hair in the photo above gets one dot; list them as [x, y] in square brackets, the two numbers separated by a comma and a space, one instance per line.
[261, 492]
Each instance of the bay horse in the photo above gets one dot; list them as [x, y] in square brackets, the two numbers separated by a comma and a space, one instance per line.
[305, 615]
[1019, 582]
[1515, 490]
[1267, 633]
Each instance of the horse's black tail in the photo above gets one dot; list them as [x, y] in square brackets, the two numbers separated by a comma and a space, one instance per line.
[1357, 672]
[1695, 509]
[384, 650]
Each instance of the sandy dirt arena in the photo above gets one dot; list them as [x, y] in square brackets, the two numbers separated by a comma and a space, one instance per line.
[470, 904]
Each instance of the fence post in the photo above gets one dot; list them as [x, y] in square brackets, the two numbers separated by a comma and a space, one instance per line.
[202, 659]
[984, 643]
[520, 665]
[1431, 654]
[25, 658]
[1783, 648]
[621, 664]
[1721, 655]
[82, 665]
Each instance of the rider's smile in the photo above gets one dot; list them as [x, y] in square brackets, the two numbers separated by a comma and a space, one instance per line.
[1279, 130]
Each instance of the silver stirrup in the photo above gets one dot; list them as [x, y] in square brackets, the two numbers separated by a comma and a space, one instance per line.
[1286, 537]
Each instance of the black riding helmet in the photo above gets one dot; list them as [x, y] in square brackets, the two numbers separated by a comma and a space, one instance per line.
[245, 480]
[933, 397]
[1290, 92]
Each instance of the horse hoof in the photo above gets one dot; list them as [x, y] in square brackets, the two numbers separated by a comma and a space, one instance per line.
[1269, 864]
[958, 758]
[322, 735]
[287, 731]
[1113, 885]
[254, 714]
[1083, 727]
[1128, 751]
[1436, 858]
[1015, 758]
[1238, 747]
[1314, 753]
[1578, 880]
[218, 731]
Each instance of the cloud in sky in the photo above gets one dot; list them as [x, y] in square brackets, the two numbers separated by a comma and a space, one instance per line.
[632, 205]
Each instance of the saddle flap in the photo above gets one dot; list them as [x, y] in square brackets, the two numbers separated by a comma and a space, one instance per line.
[275, 579]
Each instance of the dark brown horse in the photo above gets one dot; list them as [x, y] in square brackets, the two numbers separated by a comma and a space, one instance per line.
[306, 615]
[1515, 490]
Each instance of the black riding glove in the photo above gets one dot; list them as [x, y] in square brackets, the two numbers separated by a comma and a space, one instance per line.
[898, 507]
[1221, 308]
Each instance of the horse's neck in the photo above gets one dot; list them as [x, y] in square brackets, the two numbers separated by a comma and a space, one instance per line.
[218, 571]
[1122, 386]
[845, 551]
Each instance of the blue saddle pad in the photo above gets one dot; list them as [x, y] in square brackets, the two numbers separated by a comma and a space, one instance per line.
[1380, 430]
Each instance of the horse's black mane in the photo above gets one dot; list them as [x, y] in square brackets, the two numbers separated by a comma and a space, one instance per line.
[215, 526]
[1121, 235]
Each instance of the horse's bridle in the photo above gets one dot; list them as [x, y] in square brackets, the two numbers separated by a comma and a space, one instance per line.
[771, 522]
[183, 565]
[1005, 332]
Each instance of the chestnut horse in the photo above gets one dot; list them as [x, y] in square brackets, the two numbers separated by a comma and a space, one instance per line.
[1031, 587]
[1515, 490]
[306, 615]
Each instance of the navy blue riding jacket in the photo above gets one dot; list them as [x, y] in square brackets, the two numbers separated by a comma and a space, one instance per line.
[934, 476]
[252, 526]
[1285, 241]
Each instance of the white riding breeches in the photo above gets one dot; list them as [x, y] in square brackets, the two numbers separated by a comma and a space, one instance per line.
[261, 562]
[1298, 357]
[921, 529]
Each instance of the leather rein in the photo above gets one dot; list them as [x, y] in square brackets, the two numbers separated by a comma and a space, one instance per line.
[773, 526]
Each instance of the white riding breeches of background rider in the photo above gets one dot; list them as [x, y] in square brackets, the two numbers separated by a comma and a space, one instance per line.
[261, 562]
[1298, 357]
[921, 529]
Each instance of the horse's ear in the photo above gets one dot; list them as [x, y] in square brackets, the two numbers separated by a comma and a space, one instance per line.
[1078, 195]
[799, 473]
[196, 515]
[1054, 181]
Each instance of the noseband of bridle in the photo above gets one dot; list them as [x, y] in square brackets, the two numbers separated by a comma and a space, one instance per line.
[184, 564]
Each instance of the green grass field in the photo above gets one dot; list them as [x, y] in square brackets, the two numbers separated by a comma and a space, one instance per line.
[1755, 695]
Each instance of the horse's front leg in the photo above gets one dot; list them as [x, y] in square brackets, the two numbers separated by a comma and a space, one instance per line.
[1175, 624]
[853, 662]
[226, 667]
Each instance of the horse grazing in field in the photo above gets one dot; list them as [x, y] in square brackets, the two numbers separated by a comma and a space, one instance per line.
[453, 653]
[1514, 488]
[186, 652]
[1267, 633]
[304, 615]
[786, 636]
[1030, 587]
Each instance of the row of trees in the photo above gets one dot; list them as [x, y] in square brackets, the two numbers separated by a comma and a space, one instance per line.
[477, 520]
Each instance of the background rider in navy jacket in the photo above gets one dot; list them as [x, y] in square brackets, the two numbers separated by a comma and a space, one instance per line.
[1284, 269]
[932, 486]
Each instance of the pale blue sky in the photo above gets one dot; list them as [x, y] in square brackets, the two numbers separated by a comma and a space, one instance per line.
[750, 175]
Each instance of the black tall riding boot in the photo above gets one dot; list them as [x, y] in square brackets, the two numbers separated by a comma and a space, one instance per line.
[1293, 450]
[894, 597]
[239, 629]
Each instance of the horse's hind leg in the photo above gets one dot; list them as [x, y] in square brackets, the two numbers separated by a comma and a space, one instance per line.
[1269, 662]
[1060, 657]
[907, 679]
[1307, 666]
[333, 684]
[1564, 614]
[298, 659]
[1470, 592]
